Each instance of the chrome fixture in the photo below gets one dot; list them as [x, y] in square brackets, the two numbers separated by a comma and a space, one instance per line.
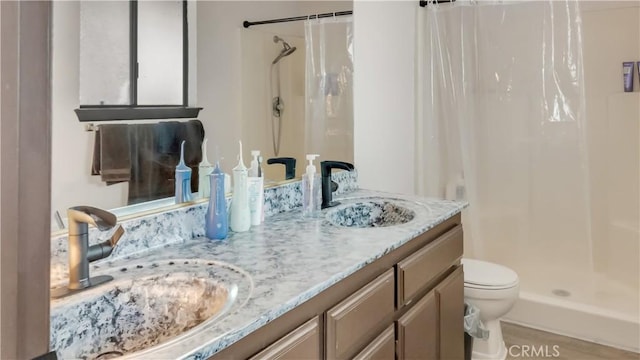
[286, 49]
[80, 253]
[277, 104]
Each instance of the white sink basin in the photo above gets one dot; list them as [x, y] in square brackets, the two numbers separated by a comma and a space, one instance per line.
[147, 305]
[366, 213]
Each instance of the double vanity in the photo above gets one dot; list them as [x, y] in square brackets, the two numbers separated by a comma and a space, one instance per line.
[375, 276]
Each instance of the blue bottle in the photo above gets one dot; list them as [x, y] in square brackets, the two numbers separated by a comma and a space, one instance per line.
[216, 220]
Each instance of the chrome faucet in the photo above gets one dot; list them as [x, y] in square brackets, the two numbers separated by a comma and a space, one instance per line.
[80, 253]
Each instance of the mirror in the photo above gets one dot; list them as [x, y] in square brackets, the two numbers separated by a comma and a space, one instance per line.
[229, 75]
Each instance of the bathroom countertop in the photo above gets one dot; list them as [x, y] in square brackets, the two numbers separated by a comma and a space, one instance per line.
[290, 260]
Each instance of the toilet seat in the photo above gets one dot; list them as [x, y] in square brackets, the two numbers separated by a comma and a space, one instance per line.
[488, 276]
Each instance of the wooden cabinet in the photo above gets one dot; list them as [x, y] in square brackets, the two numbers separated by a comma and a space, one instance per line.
[381, 348]
[450, 296]
[407, 304]
[301, 343]
[433, 327]
[354, 321]
[418, 330]
[418, 270]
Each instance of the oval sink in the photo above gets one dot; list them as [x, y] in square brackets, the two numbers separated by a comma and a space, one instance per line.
[146, 305]
[370, 213]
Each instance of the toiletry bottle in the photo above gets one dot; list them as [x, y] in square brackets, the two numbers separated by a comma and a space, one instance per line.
[204, 170]
[240, 217]
[183, 179]
[311, 196]
[256, 189]
[216, 219]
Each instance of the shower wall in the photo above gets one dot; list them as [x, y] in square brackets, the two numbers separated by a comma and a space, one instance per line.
[612, 36]
[258, 51]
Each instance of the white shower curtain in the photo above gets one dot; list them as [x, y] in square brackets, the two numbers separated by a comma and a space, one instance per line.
[329, 88]
[501, 105]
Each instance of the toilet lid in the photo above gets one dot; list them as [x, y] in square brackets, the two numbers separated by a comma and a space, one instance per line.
[485, 274]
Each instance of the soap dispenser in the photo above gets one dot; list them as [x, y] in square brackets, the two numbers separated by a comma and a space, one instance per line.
[204, 169]
[311, 196]
[240, 217]
[256, 188]
[183, 179]
[216, 219]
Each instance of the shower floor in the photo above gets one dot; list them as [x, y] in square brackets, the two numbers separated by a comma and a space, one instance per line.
[586, 305]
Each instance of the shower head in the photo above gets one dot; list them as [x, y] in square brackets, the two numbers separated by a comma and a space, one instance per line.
[286, 49]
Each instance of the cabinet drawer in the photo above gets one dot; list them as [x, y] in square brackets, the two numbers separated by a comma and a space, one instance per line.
[354, 322]
[381, 348]
[418, 270]
[301, 343]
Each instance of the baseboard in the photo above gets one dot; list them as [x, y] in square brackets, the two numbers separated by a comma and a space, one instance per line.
[576, 320]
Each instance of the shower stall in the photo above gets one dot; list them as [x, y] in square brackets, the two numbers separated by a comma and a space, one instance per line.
[298, 90]
[521, 107]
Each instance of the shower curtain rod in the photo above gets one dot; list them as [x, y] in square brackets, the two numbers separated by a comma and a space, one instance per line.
[246, 23]
[424, 3]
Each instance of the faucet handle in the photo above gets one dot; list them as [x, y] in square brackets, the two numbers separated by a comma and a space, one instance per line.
[289, 165]
[326, 166]
[99, 218]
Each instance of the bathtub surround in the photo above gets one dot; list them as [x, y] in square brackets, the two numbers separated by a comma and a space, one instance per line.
[180, 225]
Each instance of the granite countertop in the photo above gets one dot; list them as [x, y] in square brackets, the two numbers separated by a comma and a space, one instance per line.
[289, 259]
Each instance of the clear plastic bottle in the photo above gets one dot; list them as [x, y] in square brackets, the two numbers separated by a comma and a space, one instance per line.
[311, 185]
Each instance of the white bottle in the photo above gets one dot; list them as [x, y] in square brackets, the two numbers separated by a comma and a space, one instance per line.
[240, 217]
[311, 196]
[204, 169]
[256, 189]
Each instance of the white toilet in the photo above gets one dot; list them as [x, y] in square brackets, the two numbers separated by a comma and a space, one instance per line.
[493, 289]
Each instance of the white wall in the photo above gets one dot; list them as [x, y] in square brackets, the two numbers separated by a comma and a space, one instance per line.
[384, 95]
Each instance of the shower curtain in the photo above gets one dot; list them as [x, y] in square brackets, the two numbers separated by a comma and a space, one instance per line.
[329, 88]
[501, 122]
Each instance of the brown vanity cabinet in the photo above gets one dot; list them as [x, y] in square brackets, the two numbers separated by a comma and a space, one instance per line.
[408, 304]
[352, 323]
[381, 348]
[301, 343]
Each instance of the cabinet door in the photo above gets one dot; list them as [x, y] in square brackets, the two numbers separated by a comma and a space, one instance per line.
[355, 321]
[418, 330]
[450, 296]
[301, 343]
[381, 348]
